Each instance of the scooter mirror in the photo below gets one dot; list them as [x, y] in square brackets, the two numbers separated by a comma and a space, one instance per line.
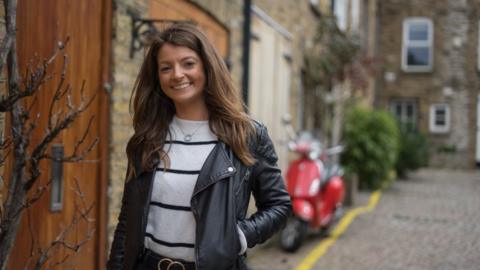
[286, 119]
[335, 150]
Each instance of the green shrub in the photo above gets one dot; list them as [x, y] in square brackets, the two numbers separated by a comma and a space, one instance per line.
[413, 152]
[371, 139]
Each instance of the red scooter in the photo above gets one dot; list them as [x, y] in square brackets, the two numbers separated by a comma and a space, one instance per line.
[316, 187]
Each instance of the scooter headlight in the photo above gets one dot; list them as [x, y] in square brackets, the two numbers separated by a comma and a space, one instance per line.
[314, 187]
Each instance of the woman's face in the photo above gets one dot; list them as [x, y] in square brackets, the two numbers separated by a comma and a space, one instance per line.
[181, 74]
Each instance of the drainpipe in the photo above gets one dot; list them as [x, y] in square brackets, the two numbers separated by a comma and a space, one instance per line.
[246, 49]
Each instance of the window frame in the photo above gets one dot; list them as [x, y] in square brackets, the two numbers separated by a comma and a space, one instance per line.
[440, 129]
[406, 43]
[411, 124]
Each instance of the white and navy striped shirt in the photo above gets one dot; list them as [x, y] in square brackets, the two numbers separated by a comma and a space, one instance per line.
[171, 224]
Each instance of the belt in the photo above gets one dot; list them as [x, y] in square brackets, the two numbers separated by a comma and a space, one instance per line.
[155, 261]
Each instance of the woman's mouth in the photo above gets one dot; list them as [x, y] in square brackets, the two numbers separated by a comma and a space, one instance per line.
[181, 86]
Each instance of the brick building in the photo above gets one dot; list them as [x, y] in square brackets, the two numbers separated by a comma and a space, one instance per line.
[430, 73]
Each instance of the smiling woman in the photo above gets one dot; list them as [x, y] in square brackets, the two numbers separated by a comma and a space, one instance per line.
[182, 79]
[194, 159]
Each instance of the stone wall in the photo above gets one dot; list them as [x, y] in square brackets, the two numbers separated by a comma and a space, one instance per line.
[454, 53]
[124, 70]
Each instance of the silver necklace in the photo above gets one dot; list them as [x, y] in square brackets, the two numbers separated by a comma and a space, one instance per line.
[187, 136]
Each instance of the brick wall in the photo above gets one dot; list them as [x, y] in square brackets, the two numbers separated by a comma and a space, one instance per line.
[124, 70]
[455, 41]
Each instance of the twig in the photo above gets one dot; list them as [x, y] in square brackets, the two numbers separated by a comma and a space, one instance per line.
[81, 213]
[39, 151]
[33, 82]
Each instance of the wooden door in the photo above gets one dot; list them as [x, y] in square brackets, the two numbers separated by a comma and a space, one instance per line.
[270, 79]
[41, 24]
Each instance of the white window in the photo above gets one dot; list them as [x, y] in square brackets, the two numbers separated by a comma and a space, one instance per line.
[355, 15]
[439, 118]
[406, 113]
[347, 13]
[417, 46]
[340, 12]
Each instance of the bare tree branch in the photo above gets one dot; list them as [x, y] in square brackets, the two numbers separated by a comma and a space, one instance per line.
[10, 35]
[39, 151]
[37, 78]
[76, 156]
[5, 48]
[60, 262]
[38, 193]
[9, 225]
[59, 93]
[81, 214]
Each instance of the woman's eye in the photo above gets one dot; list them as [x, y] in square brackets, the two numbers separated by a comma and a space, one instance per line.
[189, 64]
[164, 69]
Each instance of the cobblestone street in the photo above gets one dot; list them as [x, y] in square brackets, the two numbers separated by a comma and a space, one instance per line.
[431, 221]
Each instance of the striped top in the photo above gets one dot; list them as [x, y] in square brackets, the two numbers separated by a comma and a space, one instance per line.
[171, 225]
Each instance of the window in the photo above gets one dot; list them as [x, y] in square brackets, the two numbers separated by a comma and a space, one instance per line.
[347, 13]
[406, 113]
[439, 118]
[417, 46]
[340, 12]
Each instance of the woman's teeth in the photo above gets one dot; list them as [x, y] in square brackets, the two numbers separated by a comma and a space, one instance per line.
[181, 86]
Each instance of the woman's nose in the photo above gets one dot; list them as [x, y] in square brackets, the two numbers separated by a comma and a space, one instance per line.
[178, 73]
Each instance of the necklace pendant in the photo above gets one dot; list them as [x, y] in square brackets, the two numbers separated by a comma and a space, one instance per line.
[187, 138]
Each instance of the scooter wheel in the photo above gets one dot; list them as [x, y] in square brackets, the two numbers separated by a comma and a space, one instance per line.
[292, 236]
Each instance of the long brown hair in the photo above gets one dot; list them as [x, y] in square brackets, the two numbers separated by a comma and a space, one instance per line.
[153, 110]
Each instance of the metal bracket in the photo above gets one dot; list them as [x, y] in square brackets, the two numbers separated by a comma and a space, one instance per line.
[142, 29]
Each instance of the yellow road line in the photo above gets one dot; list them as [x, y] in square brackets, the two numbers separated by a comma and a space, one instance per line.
[325, 244]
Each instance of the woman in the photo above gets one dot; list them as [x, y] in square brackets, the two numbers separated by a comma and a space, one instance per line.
[194, 159]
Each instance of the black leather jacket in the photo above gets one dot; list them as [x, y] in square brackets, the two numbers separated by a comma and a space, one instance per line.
[219, 203]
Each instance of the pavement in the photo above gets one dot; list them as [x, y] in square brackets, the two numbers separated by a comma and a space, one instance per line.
[430, 221]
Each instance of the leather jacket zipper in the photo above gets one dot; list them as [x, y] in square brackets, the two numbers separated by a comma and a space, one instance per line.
[244, 179]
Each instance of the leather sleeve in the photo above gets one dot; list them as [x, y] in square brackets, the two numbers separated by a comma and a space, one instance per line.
[117, 251]
[272, 200]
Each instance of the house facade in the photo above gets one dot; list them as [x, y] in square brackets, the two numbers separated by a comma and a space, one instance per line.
[429, 78]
